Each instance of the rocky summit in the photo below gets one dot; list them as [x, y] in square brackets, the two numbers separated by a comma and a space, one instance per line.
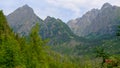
[23, 19]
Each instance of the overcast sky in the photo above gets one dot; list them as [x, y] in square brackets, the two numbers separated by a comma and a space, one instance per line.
[63, 9]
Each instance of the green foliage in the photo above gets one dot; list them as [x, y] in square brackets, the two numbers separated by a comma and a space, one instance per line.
[118, 33]
[100, 52]
[9, 48]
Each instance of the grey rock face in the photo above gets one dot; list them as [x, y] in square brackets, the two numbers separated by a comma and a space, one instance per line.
[23, 19]
[79, 25]
[99, 22]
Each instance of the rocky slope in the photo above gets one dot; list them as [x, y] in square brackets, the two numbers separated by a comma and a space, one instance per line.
[23, 19]
[58, 30]
[97, 22]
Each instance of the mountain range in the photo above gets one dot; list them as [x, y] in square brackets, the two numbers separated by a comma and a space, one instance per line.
[24, 18]
[77, 36]
[96, 23]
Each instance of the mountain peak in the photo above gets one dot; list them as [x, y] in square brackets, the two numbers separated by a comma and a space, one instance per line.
[25, 10]
[48, 18]
[106, 5]
[26, 6]
[23, 16]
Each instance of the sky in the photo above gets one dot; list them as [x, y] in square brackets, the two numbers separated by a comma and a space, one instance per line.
[63, 9]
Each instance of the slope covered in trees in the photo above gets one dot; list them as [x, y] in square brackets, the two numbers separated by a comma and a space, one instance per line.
[16, 52]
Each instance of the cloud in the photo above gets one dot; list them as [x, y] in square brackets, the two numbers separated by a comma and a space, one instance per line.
[63, 9]
[79, 7]
[65, 4]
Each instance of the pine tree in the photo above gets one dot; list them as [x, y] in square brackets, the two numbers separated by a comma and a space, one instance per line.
[37, 46]
[4, 28]
[9, 47]
[118, 33]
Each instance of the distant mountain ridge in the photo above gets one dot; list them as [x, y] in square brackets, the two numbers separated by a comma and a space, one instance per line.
[24, 18]
[79, 25]
[97, 22]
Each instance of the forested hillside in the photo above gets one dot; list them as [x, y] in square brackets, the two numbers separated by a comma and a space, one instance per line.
[16, 52]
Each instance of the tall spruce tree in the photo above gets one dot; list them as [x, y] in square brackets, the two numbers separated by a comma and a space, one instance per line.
[118, 33]
[9, 47]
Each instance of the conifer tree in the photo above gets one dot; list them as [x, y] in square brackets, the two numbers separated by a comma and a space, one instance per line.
[118, 33]
[37, 49]
[8, 45]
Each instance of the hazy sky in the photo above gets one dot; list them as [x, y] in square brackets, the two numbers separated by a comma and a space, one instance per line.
[63, 9]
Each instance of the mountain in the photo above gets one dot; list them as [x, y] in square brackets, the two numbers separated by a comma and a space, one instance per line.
[24, 18]
[79, 25]
[97, 22]
[58, 31]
